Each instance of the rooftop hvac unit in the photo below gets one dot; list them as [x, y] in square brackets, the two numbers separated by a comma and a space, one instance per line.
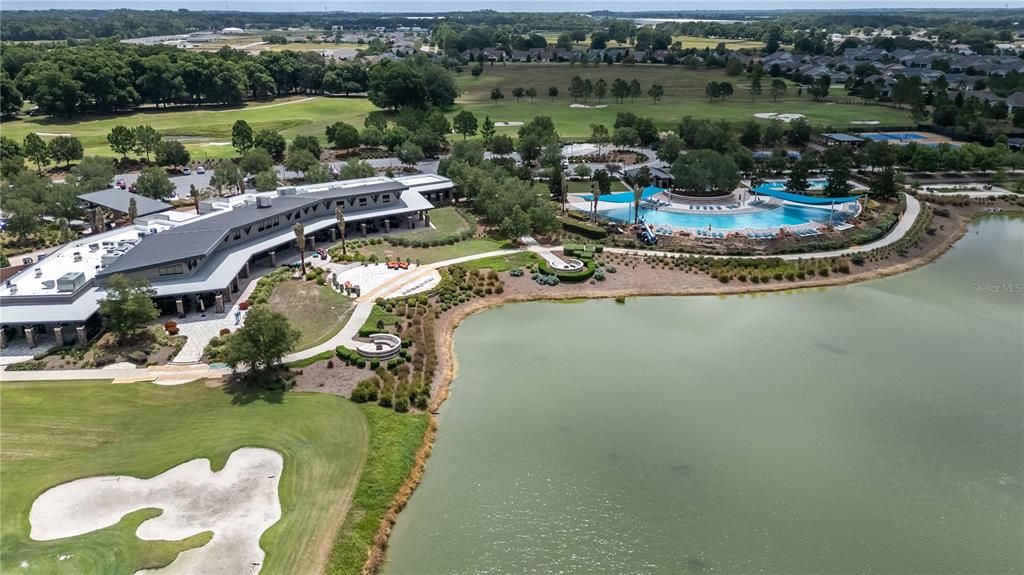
[264, 202]
[70, 282]
[287, 191]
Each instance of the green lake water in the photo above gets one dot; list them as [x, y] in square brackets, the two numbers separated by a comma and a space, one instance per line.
[872, 428]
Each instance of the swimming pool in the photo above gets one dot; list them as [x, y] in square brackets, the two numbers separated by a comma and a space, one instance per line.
[780, 185]
[784, 215]
[893, 136]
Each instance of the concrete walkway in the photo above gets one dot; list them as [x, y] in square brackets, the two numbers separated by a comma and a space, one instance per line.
[160, 375]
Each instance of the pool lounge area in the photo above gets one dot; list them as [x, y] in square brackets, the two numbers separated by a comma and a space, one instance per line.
[762, 215]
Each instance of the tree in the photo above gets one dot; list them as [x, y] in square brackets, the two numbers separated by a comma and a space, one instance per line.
[300, 243]
[10, 97]
[92, 174]
[656, 92]
[270, 141]
[600, 89]
[599, 136]
[154, 183]
[193, 193]
[733, 67]
[502, 145]
[309, 143]
[133, 209]
[342, 135]
[797, 181]
[409, 154]
[778, 89]
[625, 136]
[262, 341]
[837, 183]
[299, 160]
[496, 95]
[600, 184]
[98, 220]
[487, 131]
[265, 181]
[411, 82]
[755, 87]
[355, 169]
[635, 91]
[339, 217]
[705, 171]
[226, 174]
[670, 149]
[750, 134]
[65, 149]
[172, 153]
[820, 87]
[146, 140]
[518, 93]
[128, 305]
[121, 140]
[255, 161]
[885, 185]
[241, 136]
[464, 123]
[531, 93]
[552, 92]
[36, 150]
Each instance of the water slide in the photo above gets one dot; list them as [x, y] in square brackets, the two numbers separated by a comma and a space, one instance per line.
[647, 233]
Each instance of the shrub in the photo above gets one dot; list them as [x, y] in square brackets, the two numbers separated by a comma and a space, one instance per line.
[402, 405]
[385, 401]
[224, 331]
[374, 363]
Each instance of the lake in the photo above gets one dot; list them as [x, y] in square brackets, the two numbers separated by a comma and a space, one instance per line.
[870, 428]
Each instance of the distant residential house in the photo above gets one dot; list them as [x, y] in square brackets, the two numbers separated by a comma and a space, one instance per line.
[1015, 101]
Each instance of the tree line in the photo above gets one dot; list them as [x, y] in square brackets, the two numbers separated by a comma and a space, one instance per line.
[113, 77]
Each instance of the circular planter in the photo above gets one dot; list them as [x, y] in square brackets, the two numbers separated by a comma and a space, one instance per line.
[380, 346]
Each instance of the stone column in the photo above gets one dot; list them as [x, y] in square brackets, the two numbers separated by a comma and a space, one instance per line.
[218, 302]
[180, 305]
[312, 242]
[362, 227]
[410, 222]
[334, 234]
[83, 338]
[273, 259]
[426, 220]
[245, 269]
[226, 292]
[3, 338]
[30, 336]
[422, 213]
[387, 225]
[58, 334]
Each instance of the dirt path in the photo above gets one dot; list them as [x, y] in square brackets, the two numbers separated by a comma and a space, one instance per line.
[267, 106]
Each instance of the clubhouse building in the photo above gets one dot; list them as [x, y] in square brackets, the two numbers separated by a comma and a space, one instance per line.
[199, 262]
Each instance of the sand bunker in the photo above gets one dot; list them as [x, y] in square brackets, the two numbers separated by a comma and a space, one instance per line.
[780, 117]
[216, 144]
[237, 503]
[507, 124]
[53, 134]
[588, 107]
[868, 122]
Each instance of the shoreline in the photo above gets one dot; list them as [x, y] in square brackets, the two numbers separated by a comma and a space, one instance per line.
[449, 367]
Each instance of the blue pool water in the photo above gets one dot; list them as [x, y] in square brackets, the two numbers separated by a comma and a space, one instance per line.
[785, 215]
[894, 136]
[625, 197]
[780, 185]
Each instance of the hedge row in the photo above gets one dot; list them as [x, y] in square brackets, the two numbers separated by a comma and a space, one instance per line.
[583, 229]
[413, 241]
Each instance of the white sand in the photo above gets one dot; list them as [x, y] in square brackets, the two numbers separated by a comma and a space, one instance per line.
[507, 124]
[868, 122]
[237, 503]
[216, 144]
[780, 117]
[54, 134]
[268, 105]
[588, 107]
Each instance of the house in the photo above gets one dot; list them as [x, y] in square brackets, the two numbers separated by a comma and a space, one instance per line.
[660, 177]
[1015, 101]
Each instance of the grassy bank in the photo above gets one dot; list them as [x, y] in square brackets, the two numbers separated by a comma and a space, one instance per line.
[394, 440]
[59, 431]
[317, 311]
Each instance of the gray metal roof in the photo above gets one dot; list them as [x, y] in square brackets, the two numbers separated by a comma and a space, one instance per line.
[201, 236]
[843, 137]
[118, 200]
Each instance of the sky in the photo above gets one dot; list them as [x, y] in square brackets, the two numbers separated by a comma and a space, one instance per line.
[501, 5]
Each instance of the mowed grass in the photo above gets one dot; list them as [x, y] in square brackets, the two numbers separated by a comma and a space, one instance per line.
[434, 254]
[55, 432]
[317, 311]
[700, 43]
[206, 128]
[446, 221]
[684, 96]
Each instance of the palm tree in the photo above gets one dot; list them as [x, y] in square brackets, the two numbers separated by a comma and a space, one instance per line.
[300, 242]
[195, 197]
[133, 210]
[339, 214]
[99, 220]
[595, 196]
[65, 230]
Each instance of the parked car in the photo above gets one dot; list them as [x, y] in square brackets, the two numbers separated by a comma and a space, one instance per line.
[186, 171]
[200, 170]
[121, 184]
[131, 188]
[27, 260]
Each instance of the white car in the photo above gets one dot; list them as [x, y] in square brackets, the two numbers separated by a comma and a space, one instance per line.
[186, 171]
[200, 170]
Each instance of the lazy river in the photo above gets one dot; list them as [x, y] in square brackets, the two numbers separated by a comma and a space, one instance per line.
[870, 428]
